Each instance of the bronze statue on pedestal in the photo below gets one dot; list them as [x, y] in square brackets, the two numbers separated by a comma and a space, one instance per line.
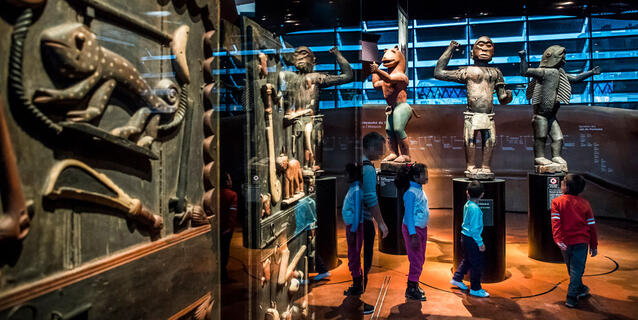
[549, 87]
[481, 81]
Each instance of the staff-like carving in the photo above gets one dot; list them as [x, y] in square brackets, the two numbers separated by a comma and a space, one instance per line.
[133, 208]
[268, 94]
[75, 54]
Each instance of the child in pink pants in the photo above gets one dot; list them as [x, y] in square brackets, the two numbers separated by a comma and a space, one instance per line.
[415, 223]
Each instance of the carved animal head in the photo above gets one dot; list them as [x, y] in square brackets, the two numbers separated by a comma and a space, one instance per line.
[72, 48]
[394, 58]
[304, 59]
[553, 57]
[483, 49]
[282, 162]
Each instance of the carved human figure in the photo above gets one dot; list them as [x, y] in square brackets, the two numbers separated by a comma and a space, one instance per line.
[549, 87]
[293, 179]
[300, 91]
[481, 81]
[393, 83]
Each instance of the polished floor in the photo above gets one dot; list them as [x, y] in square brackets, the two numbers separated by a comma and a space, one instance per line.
[533, 289]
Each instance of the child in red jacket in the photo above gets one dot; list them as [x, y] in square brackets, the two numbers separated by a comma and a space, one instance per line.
[574, 228]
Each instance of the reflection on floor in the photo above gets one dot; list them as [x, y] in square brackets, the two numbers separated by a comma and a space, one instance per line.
[533, 290]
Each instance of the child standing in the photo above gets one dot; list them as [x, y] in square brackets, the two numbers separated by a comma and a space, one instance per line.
[373, 147]
[574, 228]
[415, 223]
[472, 243]
[352, 214]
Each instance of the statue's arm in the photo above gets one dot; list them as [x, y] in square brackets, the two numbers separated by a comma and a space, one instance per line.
[376, 81]
[504, 95]
[448, 75]
[582, 76]
[526, 71]
[383, 76]
[346, 75]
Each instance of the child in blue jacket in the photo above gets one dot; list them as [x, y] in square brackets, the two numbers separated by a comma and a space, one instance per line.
[472, 242]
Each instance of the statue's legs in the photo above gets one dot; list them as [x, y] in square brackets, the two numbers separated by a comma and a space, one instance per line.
[541, 128]
[392, 139]
[488, 138]
[470, 145]
[404, 146]
[400, 116]
[309, 150]
[557, 141]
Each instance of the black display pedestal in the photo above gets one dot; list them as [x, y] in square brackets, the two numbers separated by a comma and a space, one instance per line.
[326, 232]
[390, 203]
[493, 206]
[543, 188]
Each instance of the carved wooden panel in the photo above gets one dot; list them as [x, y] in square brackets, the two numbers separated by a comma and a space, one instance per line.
[109, 147]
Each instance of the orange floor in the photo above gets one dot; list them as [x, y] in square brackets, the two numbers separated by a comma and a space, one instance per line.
[614, 290]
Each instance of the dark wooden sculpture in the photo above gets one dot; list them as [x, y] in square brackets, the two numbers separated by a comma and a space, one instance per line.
[550, 86]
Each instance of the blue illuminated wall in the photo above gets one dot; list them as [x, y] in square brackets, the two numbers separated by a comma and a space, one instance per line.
[611, 44]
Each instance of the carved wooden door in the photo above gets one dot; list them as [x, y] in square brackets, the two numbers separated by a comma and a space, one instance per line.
[108, 165]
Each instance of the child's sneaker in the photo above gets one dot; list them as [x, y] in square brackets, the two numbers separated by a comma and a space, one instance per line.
[415, 293]
[479, 293]
[356, 289]
[458, 284]
[583, 293]
[321, 276]
[571, 302]
[368, 308]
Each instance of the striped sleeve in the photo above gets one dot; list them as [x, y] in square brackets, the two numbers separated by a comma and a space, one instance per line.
[557, 226]
[593, 233]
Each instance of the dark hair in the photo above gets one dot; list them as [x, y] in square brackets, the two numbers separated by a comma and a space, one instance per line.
[409, 173]
[373, 141]
[475, 189]
[354, 172]
[575, 184]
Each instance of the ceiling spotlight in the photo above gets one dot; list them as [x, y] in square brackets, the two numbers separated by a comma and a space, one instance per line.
[564, 3]
[483, 14]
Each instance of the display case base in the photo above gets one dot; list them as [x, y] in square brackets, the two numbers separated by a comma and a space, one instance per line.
[543, 188]
[493, 206]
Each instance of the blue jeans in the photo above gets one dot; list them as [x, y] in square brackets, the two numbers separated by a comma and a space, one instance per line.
[575, 258]
[472, 261]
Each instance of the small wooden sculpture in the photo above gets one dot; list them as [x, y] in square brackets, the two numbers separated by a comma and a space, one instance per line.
[265, 205]
[293, 178]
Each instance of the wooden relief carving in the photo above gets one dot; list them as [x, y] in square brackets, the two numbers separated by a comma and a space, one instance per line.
[131, 207]
[73, 53]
